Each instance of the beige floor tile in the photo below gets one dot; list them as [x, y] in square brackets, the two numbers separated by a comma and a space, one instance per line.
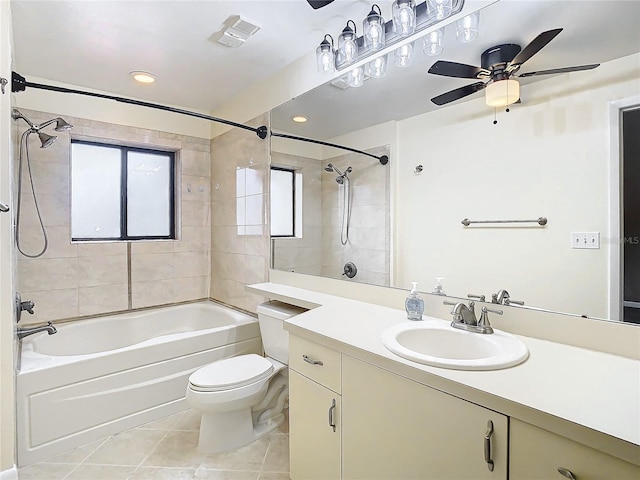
[204, 474]
[250, 457]
[190, 420]
[277, 459]
[176, 449]
[77, 455]
[154, 473]
[45, 471]
[100, 472]
[127, 448]
[166, 423]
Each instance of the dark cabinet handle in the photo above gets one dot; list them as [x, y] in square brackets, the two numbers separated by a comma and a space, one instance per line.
[566, 473]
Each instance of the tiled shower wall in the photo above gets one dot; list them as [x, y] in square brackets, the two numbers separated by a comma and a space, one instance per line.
[78, 279]
[240, 233]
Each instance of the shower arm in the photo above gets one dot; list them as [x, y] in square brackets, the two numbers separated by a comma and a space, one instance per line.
[20, 84]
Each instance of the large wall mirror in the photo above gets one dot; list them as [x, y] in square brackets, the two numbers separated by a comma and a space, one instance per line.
[559, 153]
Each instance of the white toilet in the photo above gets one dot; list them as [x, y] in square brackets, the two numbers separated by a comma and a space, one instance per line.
[242, 398]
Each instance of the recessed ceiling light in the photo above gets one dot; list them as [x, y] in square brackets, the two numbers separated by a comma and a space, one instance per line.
[143, 77]
[300, 119]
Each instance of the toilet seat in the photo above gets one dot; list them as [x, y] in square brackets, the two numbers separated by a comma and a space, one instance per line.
[231, 373]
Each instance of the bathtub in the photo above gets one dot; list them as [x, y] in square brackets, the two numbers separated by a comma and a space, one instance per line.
[104, 375]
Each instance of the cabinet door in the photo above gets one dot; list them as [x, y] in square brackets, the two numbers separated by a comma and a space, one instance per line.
[314, 442]
[538, 454]
[394, 428]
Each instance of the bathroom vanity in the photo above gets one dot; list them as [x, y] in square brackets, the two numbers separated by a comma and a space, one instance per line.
[359, 411]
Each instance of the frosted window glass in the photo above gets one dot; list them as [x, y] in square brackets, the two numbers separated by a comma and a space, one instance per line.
[95, 191]
[253, 181]
[281, 203]
[148, 194]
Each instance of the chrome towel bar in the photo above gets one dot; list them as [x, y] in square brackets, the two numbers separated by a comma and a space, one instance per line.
[540, 221]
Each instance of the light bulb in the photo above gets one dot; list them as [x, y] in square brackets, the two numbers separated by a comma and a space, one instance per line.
[439, 9]
[404, 17]
[403, 56]
[433, 42]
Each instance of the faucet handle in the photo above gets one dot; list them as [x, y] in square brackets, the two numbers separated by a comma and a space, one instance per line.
[508, 301]
[483, 323]
[482, 298]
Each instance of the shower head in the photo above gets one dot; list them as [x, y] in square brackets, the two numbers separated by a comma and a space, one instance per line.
[329, 168]
[16, 115]
[340, 179]
[61, 125]
[46, 139]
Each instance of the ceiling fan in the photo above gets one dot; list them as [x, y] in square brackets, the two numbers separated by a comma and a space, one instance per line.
[319, 4]
[498, 65]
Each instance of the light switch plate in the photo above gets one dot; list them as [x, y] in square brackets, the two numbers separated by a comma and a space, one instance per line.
[590, 240]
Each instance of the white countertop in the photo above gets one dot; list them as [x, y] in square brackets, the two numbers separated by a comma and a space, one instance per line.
[559, 387]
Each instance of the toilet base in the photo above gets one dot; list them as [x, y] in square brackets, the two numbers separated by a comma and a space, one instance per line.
[230, 430]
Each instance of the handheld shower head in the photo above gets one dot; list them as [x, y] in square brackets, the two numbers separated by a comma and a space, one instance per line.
[329, 168]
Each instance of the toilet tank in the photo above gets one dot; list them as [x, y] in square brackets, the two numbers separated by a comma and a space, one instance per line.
[275, 338]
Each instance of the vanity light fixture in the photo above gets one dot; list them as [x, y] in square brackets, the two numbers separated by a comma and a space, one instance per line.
[325, 56]
[432, 43]
[377, 67]
[143, 77]
[355, 77]
[467, 27]
[440, 9]
[347, 45]
[404, 17]
[403, 55]
[374, 29]
[501, 93]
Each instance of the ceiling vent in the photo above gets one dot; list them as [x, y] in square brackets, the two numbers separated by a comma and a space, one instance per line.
[237, 31]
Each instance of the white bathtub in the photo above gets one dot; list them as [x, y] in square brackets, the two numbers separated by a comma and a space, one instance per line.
[104, 375]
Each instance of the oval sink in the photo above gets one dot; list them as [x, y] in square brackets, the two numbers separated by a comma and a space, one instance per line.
[440, 345]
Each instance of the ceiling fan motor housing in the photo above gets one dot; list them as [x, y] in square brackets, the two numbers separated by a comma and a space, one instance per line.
[499, 56]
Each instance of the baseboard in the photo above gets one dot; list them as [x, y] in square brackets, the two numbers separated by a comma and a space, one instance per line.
[11, 474]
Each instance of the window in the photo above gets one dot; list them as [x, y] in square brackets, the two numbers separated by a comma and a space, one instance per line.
[121, 193]
[286, 196]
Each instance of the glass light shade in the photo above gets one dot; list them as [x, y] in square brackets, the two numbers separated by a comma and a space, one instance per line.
[374, 31]
[325, 58]
[432, 45]
[377, 67]
[502, 93]
[467, 28]
[347, 46]
[404, 17]
[439, 8]
[403, 56]
[355, 77]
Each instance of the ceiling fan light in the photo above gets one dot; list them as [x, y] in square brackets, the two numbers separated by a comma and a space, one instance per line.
[502, 93]
[374, 29]
[467, 28]
[404, 17]
[325, 56]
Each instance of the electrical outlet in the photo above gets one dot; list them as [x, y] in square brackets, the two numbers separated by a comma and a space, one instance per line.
[590, 240]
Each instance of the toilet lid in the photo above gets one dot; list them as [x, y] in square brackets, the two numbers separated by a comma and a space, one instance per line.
[231, 373]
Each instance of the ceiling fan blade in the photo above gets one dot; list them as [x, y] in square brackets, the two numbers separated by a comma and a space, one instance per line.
[319, 4]
[560, 70]
[453, 69]
[458, 93]
[535, 46]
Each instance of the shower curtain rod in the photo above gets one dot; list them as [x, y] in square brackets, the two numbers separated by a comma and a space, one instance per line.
[20, 84]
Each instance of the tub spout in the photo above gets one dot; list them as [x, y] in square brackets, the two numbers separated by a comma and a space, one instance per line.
[25, 332]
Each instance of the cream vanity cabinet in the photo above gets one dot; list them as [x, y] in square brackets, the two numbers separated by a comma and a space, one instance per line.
[395, 428]
[539, 454]
[315, 409]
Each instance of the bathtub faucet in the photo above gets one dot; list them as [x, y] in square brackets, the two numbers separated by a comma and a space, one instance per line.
[25, 332]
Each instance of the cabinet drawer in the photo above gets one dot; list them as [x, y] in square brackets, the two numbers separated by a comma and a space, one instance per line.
[536, 453]
[316, 362]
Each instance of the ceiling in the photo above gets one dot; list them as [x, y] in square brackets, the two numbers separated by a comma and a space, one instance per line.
[95, 44]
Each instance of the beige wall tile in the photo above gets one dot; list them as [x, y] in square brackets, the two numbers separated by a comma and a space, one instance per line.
[156, 266]
[191, 264]
[47, 274]
[102, 299]
[103, 270]
[146, 294]
[196, 214]
[101, 248]
[195, 189]
[192, 288]
[194, 239]
[50, 305]
[59, 242]
[195, 163]
[146, 247]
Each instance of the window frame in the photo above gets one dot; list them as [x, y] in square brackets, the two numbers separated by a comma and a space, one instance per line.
[124, 150]
[293, 201]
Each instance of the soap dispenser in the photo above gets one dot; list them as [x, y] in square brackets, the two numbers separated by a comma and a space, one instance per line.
[437, 289]
[414, 304]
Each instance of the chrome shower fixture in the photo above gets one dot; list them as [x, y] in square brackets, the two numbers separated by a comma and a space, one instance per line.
[331, 168]
[45, 139]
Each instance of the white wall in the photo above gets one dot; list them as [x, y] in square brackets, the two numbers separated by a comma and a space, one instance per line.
[7, 430]
[548, 157]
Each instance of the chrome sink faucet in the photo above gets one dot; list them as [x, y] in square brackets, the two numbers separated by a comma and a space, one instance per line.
[25, 332]
[502, 297]
[464, 317]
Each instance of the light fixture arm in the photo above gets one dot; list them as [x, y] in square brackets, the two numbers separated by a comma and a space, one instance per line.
[19, 84]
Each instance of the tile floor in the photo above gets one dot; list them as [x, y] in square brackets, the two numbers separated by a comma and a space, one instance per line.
[166, 450]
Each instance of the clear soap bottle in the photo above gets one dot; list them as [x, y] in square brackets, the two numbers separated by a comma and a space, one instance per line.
[414, 304]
